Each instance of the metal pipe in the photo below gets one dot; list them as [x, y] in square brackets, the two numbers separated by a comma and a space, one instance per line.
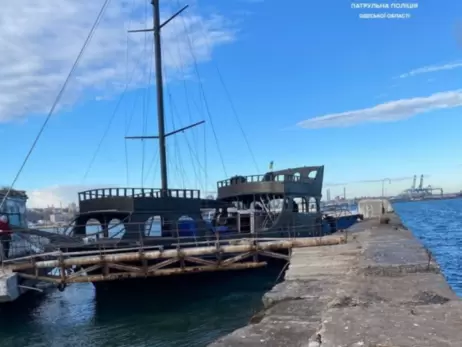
[173, 253]
[30, 288]
[156, 273]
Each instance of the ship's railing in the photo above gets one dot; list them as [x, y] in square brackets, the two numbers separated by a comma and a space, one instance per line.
[103, 193]
[24, 242]
[264, 178]
[173, 252]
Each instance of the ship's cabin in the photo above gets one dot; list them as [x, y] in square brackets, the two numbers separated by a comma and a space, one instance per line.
[257, 201]
[15, 207]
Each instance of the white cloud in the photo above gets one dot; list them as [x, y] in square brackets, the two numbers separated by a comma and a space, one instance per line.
[58, 194]
[432, 68]
[387, 112]
[41, 39]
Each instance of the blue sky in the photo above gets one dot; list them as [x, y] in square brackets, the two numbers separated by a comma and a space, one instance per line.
[305, 80]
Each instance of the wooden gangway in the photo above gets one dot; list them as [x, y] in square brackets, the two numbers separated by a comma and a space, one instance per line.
[76, 261]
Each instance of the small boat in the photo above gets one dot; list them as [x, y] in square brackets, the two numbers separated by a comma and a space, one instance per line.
[340, 216]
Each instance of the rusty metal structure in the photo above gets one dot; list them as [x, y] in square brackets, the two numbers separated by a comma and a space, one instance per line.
[121, 262]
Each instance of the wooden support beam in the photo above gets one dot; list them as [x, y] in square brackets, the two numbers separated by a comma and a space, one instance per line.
[166, 272]
[237, 258]
[274, 255]
[162, 264]
[85, 270]
[52, 279]
[199, 261]
[125, 268]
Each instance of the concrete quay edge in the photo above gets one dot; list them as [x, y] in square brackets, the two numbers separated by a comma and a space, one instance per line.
[381, 289]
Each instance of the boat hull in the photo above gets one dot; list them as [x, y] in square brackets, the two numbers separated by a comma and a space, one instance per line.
[206, 283]
[345, 222]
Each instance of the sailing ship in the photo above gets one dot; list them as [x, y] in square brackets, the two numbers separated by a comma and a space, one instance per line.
[278, 204]
[274, 204]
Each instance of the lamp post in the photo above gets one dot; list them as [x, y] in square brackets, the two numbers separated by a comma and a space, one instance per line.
[383, 194]
[383, 185]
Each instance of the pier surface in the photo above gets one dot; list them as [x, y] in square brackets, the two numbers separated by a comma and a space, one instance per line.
[381, 289]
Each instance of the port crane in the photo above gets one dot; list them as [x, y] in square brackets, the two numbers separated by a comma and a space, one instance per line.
[396, 179]
[420, 191]
[413, 192]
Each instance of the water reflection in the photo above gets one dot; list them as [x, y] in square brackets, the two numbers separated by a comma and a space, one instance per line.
[176, 311]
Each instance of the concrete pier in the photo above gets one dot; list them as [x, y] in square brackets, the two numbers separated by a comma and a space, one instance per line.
[10, 289]
[381, 289]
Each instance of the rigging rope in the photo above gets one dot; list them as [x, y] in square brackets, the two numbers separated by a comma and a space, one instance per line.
[238, 121]
[233, 108]
[174, 112]
[146, 110]
[127, 120]
[127, 130]
[230, 100]
[186, 94]
[111, 119]
[179, 160]
[154, 163]
[191, 151]
[58, 98]
[201, 88]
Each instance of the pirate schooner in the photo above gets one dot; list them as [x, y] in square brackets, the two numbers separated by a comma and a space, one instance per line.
[252, 219]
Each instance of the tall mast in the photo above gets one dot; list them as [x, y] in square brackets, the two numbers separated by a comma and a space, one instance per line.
[160, 97]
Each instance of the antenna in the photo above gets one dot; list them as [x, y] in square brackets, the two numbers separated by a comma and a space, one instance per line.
[160, 94]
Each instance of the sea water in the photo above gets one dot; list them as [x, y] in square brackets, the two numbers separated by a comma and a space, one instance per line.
[438, 224]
